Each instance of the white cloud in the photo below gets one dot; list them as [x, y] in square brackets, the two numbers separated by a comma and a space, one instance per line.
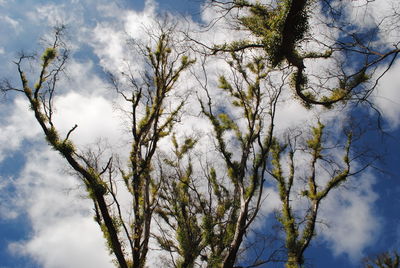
[272, 202]
[352, 223]
[10, 21]
[16, 126]
[366, 13]
[69, 242]
[109, 47]
[383, 17]
[7, 210]
[64, 233]
[387, 95]
[94, 116]
[53, 14]
[110, 39]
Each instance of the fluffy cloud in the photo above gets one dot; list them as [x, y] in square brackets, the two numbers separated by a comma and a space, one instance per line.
[64, 233]
[16, 126]
[385, 14]
[94, 116]
[69, 242]
[372, 13]
[10, 21]
[387, 97]
[7, 209]
[351, 222]
[110, 39]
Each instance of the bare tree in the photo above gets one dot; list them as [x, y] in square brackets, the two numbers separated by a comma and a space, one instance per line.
[127, 237]
[204, 215]
[219, 217]
[279, 32]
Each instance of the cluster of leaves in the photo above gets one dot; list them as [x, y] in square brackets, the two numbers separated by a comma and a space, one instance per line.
[279, 28]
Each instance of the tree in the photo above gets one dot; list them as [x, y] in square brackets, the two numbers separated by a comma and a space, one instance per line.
[149, 96]
[203, 215]
[384, 260]
[279, 33]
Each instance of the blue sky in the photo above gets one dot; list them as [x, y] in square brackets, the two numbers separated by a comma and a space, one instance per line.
[46, 222]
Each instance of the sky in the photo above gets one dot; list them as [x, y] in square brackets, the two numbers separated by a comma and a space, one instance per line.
[45, 219]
